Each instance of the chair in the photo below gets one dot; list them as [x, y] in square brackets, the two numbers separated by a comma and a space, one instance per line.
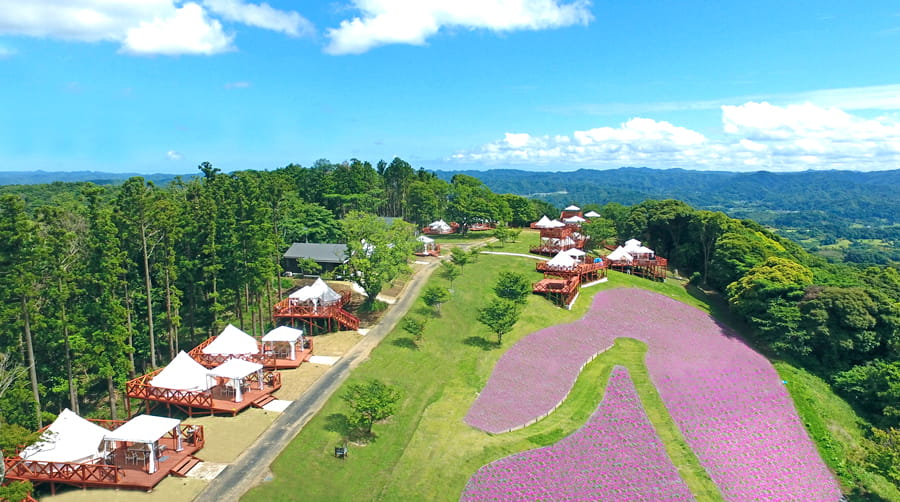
[341, 452]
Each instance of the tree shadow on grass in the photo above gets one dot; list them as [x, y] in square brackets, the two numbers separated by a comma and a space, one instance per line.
[405, 343]
[340, 424]
[480, 342]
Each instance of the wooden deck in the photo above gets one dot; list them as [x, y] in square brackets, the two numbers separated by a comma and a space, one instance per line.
[654, 269]
[329, 317]
[114, 471]
[216, 400]
[278, 359]
[562, 291]
[587, 272]
[435, 251]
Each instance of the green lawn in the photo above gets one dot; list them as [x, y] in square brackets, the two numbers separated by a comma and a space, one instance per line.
[426, 451]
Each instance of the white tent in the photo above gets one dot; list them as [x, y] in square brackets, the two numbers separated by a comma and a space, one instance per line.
[440, 226]
[555, 224]
[544, 222]
[620, 255]
[562, 260]
[319, 293]
[574, 219]
[284, 334]
[643, 250]
[232, 341]
[69, 438]
[424, 239]
[183, 373]
[236, 370]
[573, 207]
[592, 214]
[146, 429]
[575, 253]
[632, 242]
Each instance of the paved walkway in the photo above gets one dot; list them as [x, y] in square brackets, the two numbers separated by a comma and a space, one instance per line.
[253, 465]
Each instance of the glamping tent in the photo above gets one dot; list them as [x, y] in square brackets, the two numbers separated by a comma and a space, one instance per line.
[283, 334]
[592, 214]
[183, 373]
[562, 260]
[574, 219]
[573, 207]
[144, 432]
[426, 246]
[317, 293]
[576, 253]
[440, 227]
[236, 370]
[69, 438]
[232, 341]
[620, 255]
[544, 222]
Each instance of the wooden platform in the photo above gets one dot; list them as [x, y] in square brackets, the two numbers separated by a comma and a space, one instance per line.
[217, 400]
[113, 472]
[654, 269]
[587, 272]
[270, 359]
[310, 316]
[562, 291]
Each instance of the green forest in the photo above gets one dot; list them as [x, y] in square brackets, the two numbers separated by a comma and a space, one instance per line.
[103, 283]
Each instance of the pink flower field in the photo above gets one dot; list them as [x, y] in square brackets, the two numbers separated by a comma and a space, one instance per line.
[726, 399]
[615, 456]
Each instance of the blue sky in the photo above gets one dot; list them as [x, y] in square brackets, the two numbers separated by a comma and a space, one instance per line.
[162, 85]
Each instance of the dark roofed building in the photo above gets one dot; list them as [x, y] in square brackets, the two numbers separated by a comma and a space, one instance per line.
[328, 256]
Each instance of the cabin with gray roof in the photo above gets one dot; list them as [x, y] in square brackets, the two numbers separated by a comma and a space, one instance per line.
[328, 256]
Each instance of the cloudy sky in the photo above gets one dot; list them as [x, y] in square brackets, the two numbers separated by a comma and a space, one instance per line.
[162, 85]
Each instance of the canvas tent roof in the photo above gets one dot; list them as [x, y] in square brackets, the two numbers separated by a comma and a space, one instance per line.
[573, 207]
[318, 292]
[232, 341]
[555, 224]
[424, 239]
[644, 250]
[143, 429]
[543, 222]
[183, 373]
[592, 214]
[620, 255]
[235, 368]
[283, 334]
[562, 259]
[439, 225]
[574, 219]
[69, 438]
[575, 252]
[632, 242]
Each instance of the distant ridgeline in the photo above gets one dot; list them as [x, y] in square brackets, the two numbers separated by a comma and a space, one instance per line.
[95, 177]
[839, 214]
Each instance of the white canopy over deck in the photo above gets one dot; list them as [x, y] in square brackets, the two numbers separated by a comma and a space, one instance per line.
[236, 370]
[232, 341]
[146, 429]
[319, 293]
[284, 334]
[620, 255]
[562, 260]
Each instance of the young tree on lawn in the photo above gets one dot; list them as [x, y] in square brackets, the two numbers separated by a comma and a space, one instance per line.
[499, 316]
[460, 257]
[415, 326]
[513, 286]
[369, 402]
[435, 296]
[377, 253]
[450, 271]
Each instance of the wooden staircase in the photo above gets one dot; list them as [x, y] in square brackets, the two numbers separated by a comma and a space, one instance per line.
[263, 400]
[346, 319]
[182, 468]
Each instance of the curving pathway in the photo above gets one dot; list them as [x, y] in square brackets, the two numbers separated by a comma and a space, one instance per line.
[727, 400]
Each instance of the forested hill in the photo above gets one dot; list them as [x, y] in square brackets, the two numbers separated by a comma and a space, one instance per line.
[838, 213]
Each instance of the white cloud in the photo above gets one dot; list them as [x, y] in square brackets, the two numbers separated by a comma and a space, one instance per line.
[755, 136]
[187, 31]
[144, 26]
[173, 155]
[6, 53]
[237, 85]
[261, 16]
[385, 22]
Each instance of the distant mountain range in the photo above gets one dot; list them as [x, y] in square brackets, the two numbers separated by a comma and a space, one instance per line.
[97, 177]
